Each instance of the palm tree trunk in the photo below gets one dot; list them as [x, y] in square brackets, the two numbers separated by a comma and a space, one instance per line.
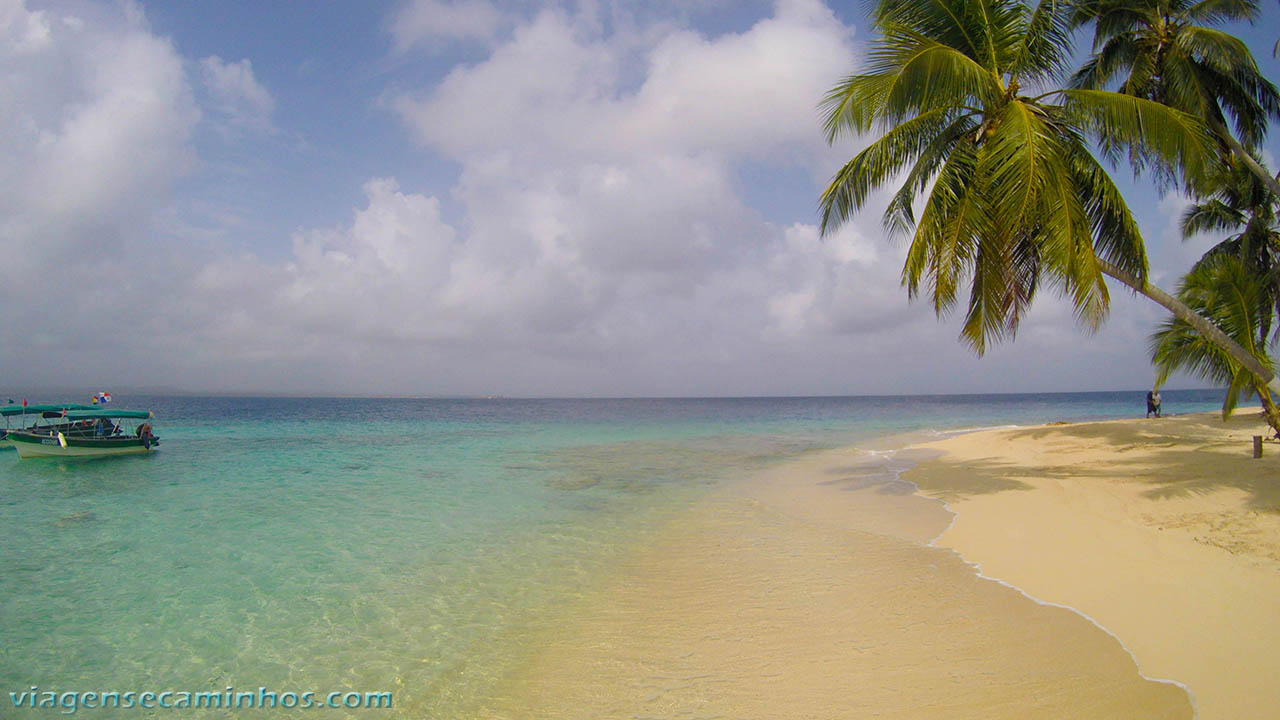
[1207, 330]
[1220, 130]
[1269, 410]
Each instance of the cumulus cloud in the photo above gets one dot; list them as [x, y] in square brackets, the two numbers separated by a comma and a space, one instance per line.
[398, 283]
[23, 31]
[619, 195]
[237, 99]
[597, 239]
[95, 115]
[421, 22]
[580, 267]
[557, 90]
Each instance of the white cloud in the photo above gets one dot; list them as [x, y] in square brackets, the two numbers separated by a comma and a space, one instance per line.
[597, 239]
[94, 124]
[236, 97]
[749, 94]
[557, 91]
[23, 31]
[421, 22]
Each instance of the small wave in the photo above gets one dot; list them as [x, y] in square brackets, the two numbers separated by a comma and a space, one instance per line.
[952, 432]
[977, 567]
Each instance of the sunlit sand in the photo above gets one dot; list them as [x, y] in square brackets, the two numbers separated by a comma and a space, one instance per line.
[1166, 532]
[811, 591]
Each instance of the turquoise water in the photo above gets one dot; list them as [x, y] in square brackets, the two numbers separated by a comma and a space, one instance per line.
[416, 547]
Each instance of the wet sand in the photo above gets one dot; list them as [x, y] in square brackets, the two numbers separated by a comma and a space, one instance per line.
[811, 591]
[1167, 532]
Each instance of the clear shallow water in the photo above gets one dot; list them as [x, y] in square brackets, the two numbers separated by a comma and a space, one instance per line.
[411, 546]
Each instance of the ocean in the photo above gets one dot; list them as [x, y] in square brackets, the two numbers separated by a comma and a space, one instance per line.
[417, 547]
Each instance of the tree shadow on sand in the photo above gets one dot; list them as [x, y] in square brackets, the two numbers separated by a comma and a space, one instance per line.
[951, 481]
[1158, 454]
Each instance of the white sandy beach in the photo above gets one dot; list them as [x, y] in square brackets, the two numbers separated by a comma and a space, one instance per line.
[813, 591]
[1166, 532]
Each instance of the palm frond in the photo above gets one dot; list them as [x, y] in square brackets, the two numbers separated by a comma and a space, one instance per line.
[899, 215]
[1249, 99]
[1222, 289]
[1013, 196]
[878, 162]
[1020, 153]
[906, 76]
[954, 216]
[1098, 71]
[1067, 248]
[1209, 216]
[1214, 12]
[1175, 139]
[955, 23]
[927, 74]
[1214, 48]
[1043, 51]
[985, 322]
[1118, 16]
[1116, 237]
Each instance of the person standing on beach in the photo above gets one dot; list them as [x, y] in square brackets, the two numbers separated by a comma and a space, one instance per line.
[1153, 402]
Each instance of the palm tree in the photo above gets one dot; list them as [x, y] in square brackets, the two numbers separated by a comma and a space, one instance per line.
[1164, 50]
[1013, 197]
[1223, 287]
[1241, 204]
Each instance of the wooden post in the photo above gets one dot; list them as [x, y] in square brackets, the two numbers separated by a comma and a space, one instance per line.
[1257, 446]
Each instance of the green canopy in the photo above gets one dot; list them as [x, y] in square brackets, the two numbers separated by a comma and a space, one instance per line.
[11, 410]
[92, 414]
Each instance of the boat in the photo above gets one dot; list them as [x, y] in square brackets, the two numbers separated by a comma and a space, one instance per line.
[89, 432]
[33, 414]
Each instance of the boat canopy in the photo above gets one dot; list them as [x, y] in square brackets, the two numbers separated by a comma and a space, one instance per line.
[94, 414]
[12, 410]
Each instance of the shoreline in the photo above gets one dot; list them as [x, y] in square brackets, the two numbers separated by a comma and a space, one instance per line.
[811, 590]
[1164, 534]
[977, 567]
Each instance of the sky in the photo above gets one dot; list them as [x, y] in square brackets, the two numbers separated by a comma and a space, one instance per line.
[478, 197]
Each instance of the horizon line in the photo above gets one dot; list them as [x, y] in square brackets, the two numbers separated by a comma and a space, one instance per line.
[355, 396]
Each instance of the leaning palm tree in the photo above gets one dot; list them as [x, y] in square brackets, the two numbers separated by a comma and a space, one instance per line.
[1222, 287]
[1167, 51]
[1241, 205]
[1012, 196]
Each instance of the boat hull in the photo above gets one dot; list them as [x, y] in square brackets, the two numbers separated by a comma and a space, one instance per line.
[42, 445]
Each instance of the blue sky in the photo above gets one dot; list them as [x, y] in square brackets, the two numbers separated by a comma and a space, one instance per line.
[431, 197]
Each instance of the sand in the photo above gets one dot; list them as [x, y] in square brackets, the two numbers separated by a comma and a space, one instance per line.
[1165, 532]
[812, 591]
